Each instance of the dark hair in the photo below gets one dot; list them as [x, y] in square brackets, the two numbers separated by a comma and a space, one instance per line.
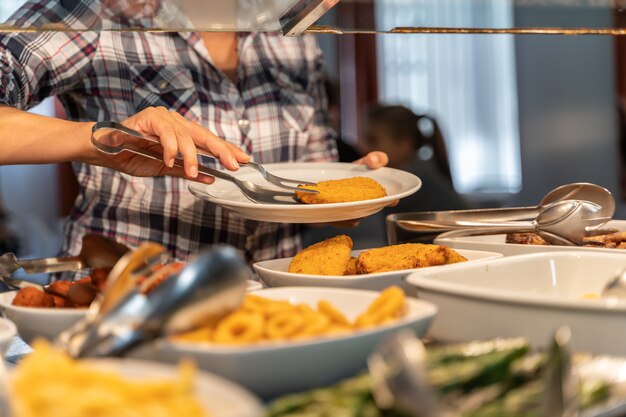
[400, 122]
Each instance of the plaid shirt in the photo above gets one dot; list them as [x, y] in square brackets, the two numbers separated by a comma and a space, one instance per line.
[276, 111]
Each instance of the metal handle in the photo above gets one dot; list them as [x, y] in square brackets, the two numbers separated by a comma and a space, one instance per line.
[50, 265]
[442, 225]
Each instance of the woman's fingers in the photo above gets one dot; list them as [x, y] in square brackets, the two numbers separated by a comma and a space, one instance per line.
[229, 155]
[179, 172]
[374, 160]
[186, 147]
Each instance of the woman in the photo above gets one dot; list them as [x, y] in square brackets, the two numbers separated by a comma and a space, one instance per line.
[261, 92]
[415, 144]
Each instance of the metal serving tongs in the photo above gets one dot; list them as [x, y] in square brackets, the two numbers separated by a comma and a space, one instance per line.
[561, 223]
[444, 221]
[205, 290]
[400, 381]
[113, 138]
[96, 252]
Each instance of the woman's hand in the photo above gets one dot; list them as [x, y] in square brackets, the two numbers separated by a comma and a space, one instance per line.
[374, 160]
[176, 134]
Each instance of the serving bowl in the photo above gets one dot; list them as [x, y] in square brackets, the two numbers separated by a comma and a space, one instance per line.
[32, 322]
[276, 368]
[8, 331]
[275, 273]
[530, 296]
[216, 395]
[48, 323]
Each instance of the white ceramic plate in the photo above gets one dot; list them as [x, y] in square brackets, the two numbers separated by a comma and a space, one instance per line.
[48, 323]
[530, 296]
[497, 243]
[32, 322]
[254, 285]
[274, 274]
[274, 369]
[398, 184]
[7, 332]
[218, 396]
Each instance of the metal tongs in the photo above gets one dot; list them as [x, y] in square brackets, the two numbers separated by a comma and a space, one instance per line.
[208, 288]
[112, 138]
[561, 223]
[562, 217]
[400, 380]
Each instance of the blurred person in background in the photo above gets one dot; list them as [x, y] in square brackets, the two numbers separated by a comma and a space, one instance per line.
[415, 144]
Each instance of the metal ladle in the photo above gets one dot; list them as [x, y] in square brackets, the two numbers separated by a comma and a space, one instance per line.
[561, 223]
[208, 288]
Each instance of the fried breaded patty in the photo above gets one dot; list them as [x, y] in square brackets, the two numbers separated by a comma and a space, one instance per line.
[342, 191]
[329, 257]
[405, 256]
[351, 268]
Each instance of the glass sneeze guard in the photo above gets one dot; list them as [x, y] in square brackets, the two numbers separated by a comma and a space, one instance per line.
[293, 17]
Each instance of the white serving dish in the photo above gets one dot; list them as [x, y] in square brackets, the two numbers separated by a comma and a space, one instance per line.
[529, 296]
[48, 323]
[254, 286]
[218, 396]
[32, 322]
[398, 184]
[8, 331]
[274, 273]
[497, 243]
[273, 369]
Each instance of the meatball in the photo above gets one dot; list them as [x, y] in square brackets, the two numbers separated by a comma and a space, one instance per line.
[33, 297]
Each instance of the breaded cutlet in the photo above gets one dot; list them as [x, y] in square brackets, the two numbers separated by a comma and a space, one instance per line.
[405, 256]
[342, 191]
[351, 268]
[329, 257]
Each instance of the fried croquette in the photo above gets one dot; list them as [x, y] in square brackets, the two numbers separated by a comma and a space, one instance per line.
[33, 297]
[342, 191]
[351, 268]
[405, 256]
[329, 257]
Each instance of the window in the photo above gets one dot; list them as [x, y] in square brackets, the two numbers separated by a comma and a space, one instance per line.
[467, 82]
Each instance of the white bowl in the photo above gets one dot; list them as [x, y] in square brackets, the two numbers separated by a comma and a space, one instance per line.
[48, 323]
[529, 296]
[218, 396]
[274, 273]
[278, 368]
[254, 286]
[7, 332]
[497, 243]
[32, 322]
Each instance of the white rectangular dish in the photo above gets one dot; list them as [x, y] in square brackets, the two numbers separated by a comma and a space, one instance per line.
[277, 368]
[497, 243]
[529, 296]
[274, 273]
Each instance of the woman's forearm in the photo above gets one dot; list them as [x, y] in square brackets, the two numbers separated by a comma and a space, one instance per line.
[27, 138]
